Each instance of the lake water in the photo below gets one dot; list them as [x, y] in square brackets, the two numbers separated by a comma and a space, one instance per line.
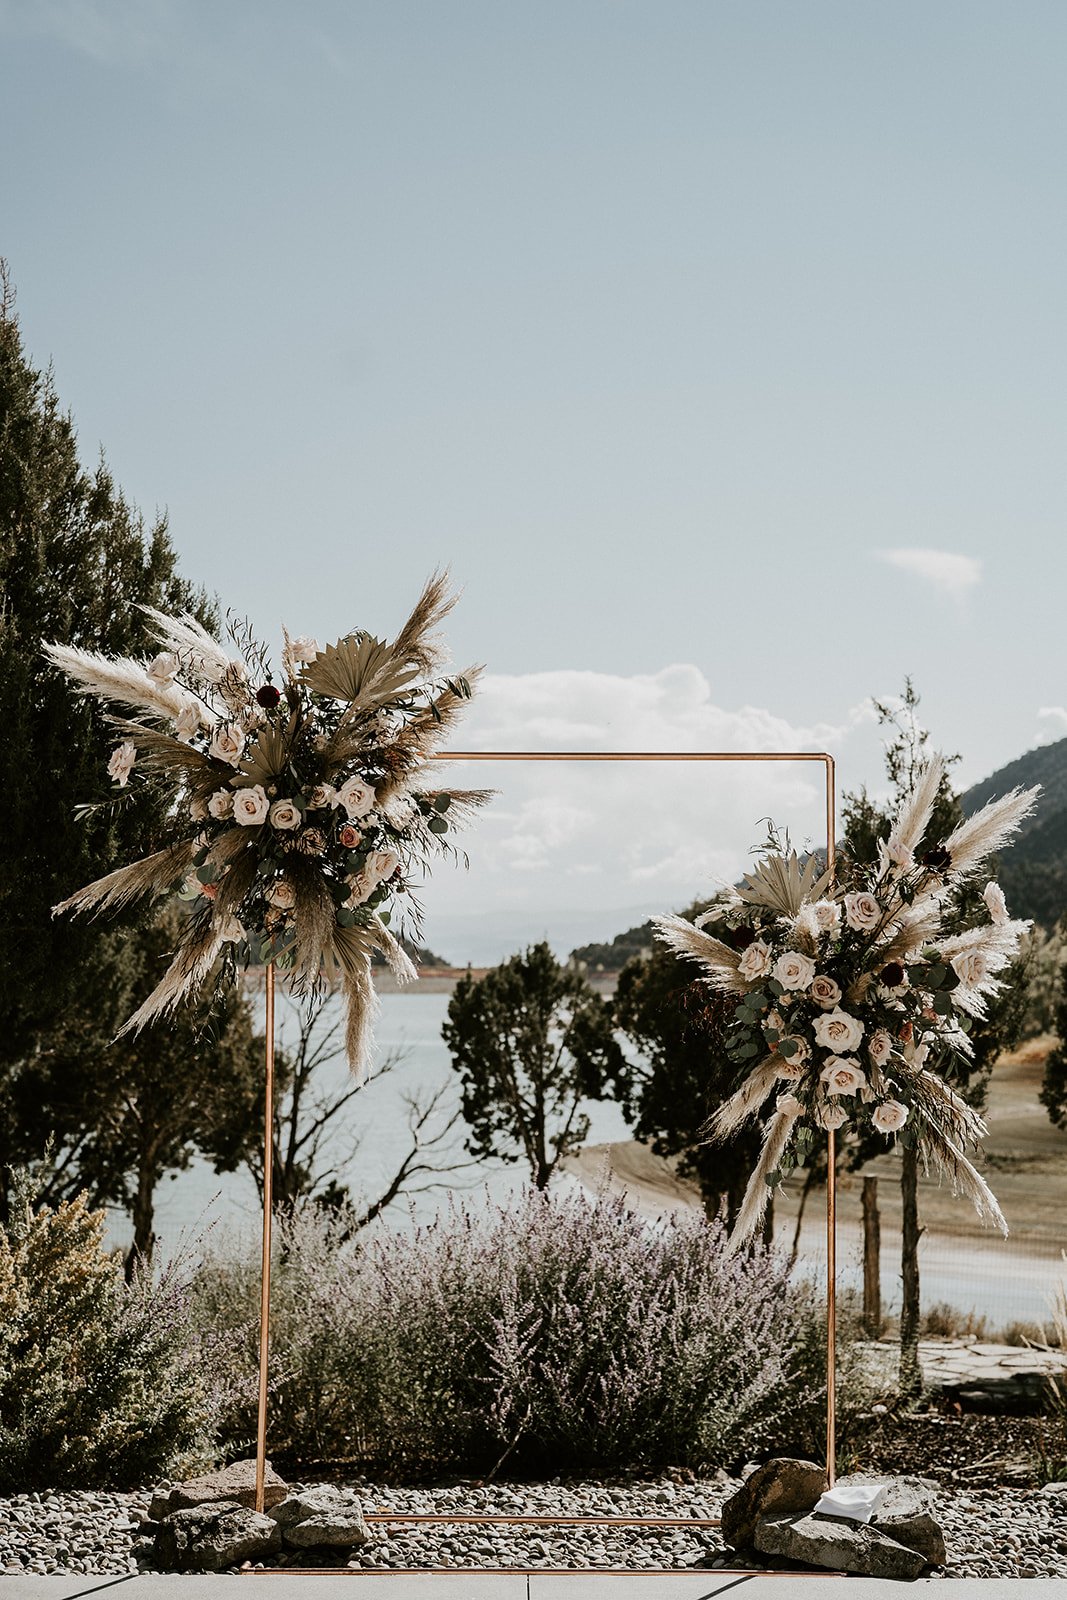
[372, 1136]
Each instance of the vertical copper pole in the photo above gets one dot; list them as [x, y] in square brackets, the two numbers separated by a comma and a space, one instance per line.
[831, 1307]
[268, 1184]
[831, 1202]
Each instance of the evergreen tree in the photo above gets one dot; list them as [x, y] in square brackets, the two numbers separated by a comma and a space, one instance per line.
[76, 562]
[530, 1041]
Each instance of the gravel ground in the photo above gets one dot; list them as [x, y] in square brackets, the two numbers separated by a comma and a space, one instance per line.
[989, 1532]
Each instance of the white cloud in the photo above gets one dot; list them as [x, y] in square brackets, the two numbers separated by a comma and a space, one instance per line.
[953, 574]
[1054, 724]
[581, 850]
[110, 32]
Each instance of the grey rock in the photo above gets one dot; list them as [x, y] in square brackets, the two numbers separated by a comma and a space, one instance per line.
[207, 1538]
[837, 1546]
[236, 1482]
[783, 1484]
[906, 1515]
[321, 1516]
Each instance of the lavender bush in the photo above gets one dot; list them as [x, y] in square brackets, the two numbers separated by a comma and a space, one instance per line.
[562, 1333]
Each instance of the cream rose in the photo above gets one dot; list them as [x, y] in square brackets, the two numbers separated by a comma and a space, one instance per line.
[382, 864]
[322, 797]
[827, 915]
[862, 912]
[838, 1031]
[282, 895]
[790, 1105]
[355, 796]
[362, 886]
[830, 1117]
[789, 1069]
[164, 667]
[284, 815]
[755, 961]
[826, 992]
[971, 967]
[250, 806]
[996, 905]
[890, 1116]
[304, 648]
[841, 1075]
[794, 970]
[122, 762]
[880, 1046]
[898, 852]
[220, 804]
[187, 722]
[228, 743]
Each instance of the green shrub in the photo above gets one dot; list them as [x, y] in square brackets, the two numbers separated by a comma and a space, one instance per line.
[100, 1381]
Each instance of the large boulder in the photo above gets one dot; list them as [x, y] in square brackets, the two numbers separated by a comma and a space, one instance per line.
[784, 1484]
[837, 1545]
[906, 1515]
[321, 1516]
[209, 1538]
[236, 1482]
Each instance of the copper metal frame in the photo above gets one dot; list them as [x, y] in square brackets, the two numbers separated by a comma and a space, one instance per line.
[831, 1220]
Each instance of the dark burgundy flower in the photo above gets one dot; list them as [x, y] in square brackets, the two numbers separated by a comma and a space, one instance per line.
[268, 696]
[937, 859]
[892, 975]
[741, 938]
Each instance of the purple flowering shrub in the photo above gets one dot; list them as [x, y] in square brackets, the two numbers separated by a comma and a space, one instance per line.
[562, 1333]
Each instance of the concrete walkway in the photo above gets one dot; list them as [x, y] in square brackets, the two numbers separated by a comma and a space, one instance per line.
[519, 1586]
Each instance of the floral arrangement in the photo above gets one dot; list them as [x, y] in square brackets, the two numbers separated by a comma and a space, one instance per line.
[852, 1001]
[300, 813]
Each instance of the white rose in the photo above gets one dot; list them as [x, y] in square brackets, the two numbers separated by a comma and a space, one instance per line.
[304, 648]
[997, 906]
[362, 886]
[838, 1031]
[898, 852]
[382, 864]
[755, 961]
[284, 815]
[880, 1046]
[322, 796]
[250, 806]
[164, 667]
[220, 804]
[827, 915]
[356, 796]
[890, 1116]
[971, 967]
[790, 1105]
[121, 764]
[212, 669]
[281, 894]
[793, 970]
[187, 722]
[842, 1076]
[830, 1117]
[228, 743]
[826, 992]
[862, 912]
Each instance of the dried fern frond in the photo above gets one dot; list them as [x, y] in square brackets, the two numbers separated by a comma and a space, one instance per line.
[743, 1103]
[154, 874]
[720, 962]
[364, 671]
[397, 959]
[162, 752]
[423, 733]
[350, 953]
[976, 839]
[197, 952]
[781, 884]
[754, 1205]
[314, 916]
[265, 759]
[120, 679]
[967, 1180]
[416, 642]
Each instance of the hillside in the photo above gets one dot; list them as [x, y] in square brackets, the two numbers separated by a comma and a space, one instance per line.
[1033, 872]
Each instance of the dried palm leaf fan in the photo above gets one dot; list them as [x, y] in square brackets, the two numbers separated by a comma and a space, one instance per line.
[301, 815]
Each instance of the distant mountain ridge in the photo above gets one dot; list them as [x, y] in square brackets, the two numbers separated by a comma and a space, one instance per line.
[1032, 871]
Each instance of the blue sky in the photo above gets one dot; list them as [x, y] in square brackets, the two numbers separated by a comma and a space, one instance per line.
[725, 336]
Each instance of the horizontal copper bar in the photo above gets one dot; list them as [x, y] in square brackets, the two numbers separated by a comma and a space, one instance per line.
[632, 755]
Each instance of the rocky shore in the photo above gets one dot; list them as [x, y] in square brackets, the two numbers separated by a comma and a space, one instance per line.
[988, 1532]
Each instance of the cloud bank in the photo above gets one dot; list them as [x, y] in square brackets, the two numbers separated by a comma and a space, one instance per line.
[945, 570]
